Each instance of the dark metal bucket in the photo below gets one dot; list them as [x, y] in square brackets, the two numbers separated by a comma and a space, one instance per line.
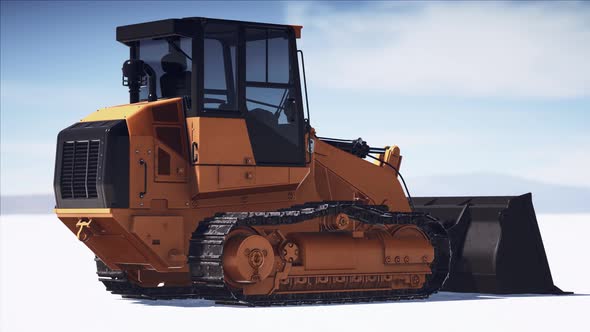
[496, 244]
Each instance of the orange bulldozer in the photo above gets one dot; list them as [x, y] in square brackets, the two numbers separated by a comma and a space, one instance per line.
[211, 183]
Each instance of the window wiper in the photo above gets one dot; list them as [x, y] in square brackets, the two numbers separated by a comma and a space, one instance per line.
[171, 43]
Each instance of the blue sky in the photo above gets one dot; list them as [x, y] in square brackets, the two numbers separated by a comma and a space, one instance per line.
[462, 88]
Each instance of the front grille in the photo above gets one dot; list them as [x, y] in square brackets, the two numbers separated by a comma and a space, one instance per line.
[79, 169]
[92, 165]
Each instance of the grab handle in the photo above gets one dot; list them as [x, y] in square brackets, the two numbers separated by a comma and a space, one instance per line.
[194, 148]
[144, 164]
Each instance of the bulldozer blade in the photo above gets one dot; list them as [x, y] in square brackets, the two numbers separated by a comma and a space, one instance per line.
[496, 244]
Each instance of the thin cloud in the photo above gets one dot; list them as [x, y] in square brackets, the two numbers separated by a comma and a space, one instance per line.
[570, 167]
[450, 49]
[89, 97]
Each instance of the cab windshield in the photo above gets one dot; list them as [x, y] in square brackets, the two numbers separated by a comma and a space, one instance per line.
[171, 60]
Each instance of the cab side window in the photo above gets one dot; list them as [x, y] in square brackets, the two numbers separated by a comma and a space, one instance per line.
[220, 51]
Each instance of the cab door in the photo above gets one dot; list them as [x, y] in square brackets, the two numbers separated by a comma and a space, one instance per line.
[247, 136]
[273, 110]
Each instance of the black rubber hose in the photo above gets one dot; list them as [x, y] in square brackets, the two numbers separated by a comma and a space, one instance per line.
[410, 201]
[152, 95]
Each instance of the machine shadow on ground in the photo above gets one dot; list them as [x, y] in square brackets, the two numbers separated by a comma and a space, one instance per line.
[439, 297]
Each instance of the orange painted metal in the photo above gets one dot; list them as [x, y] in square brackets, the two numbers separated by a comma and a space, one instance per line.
[297, 29]
[307, 258]
[150, 239]
[248, 258]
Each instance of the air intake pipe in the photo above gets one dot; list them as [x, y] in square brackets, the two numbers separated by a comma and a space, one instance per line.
[134, 72]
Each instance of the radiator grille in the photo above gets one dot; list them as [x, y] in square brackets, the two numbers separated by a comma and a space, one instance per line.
[79, 169]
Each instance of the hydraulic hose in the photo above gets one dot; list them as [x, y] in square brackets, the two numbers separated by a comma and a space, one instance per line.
[410, 201]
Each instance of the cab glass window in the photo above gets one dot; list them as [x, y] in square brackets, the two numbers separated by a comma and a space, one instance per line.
[220, 44]
[267, 56]
[272, 114]
[170, 58]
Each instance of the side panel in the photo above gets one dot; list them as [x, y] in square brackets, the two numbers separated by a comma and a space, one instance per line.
[224, 164]
[340, 175]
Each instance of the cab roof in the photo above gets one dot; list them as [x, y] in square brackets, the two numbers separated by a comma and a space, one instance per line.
[187, 27]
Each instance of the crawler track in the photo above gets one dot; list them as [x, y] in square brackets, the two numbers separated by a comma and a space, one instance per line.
[206, 250]
[117, 283]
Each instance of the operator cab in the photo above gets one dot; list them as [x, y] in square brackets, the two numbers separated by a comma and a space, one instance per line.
[224, 68]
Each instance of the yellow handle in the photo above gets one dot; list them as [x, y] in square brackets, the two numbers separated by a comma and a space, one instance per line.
[81, 223]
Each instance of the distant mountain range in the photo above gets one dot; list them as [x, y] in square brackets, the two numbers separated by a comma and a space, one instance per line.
[31, 204]
[547, 198]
